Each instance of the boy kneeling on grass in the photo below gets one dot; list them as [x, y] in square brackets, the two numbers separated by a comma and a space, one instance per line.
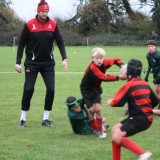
[78, 116]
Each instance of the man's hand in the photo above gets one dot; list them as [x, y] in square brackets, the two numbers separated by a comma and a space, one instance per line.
[65, 65]
[18, 68]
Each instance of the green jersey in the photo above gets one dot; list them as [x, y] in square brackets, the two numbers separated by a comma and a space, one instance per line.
[154, 64]
[79, 121]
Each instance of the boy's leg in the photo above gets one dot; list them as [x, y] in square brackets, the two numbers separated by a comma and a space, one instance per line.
[99, 121]
[132, 126]
[99, 124]
[93, 124]
[98, 116]
[157, 89]
[91, 114]
[116, 151]
[130, 145]
[96, 123]
[119, 137]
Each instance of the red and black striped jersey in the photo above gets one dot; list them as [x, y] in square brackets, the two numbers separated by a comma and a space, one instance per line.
[38, 38]
[139, 96]
[94, 75]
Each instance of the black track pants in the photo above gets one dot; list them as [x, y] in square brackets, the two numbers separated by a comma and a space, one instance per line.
[47, 71]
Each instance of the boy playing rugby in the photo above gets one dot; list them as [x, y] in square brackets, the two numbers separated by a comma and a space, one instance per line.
[141, 100]
[78, 116]
[91, 86]
[153, 59]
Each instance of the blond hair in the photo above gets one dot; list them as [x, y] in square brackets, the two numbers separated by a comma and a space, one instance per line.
[96, 52]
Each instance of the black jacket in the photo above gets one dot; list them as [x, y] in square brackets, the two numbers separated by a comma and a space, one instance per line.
[38, 38]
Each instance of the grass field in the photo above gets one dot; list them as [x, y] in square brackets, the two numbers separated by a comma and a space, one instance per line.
[59, 143]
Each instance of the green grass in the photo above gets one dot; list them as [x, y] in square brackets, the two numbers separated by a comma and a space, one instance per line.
[38, 143]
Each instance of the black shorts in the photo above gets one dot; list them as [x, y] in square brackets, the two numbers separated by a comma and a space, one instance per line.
[90, 97]
[135, 124]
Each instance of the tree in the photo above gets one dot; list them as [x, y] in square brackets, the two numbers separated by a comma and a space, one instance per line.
[10, 24]
[8, 19]
[4, 4]
[155, 10]
[92, 17]
[156, 13]
[98, 16]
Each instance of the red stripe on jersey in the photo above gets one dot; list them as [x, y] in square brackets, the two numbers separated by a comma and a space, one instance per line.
[143, 101]
[150, 118]
[138, 95]
[140, 92]
[146, 109]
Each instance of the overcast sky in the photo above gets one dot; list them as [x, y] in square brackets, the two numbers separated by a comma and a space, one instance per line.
[27, 9]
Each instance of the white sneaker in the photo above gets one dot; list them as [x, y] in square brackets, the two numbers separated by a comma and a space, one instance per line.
[145, 156]
[102, 135]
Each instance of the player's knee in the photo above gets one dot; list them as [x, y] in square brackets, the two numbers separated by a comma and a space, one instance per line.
[91, 110]
[98, 108]
[115, 138]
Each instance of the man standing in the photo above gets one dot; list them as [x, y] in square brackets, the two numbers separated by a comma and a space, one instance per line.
[37, 38]
[155, 36]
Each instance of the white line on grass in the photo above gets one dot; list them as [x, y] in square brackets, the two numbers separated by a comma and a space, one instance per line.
[55, 72]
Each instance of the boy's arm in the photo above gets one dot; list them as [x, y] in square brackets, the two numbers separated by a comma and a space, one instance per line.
[119, 62]
[147, 74]
[103, 77]
[120, 97]
[154, 99]
[85, 112]
[84, 109]
[113, 61]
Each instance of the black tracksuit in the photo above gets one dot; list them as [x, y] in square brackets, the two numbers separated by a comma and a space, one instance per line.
[37, 38]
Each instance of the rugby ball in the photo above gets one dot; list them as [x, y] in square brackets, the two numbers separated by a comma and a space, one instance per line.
[123, 70]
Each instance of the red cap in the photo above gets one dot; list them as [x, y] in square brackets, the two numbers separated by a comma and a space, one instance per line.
[42, 6]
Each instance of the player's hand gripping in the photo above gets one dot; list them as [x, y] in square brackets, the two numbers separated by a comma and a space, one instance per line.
[123, 76]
